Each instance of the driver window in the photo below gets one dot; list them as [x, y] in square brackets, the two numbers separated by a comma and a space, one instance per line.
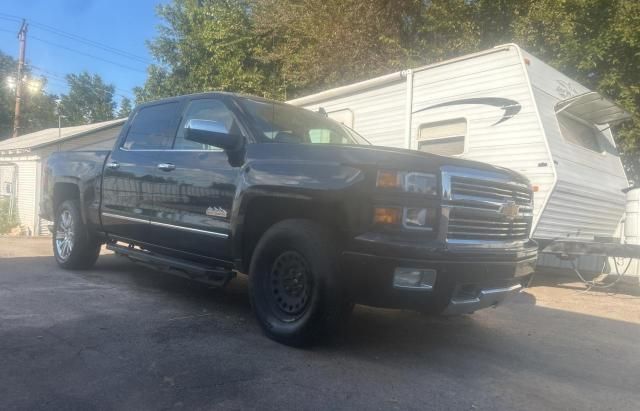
[205, 109]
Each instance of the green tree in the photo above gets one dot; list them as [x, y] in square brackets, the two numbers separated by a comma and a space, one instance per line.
[596, 42]
[203, 45]
[89, 100]
[38, 107]
[125, 108]
[287, 48]
[316, 44]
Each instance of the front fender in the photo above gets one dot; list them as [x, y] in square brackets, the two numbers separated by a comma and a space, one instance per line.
[299, 189]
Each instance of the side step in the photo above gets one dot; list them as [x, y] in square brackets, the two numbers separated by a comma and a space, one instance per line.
[214, 276]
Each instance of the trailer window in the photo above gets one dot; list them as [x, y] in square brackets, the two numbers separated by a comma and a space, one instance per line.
[445, 138]
[577, 132]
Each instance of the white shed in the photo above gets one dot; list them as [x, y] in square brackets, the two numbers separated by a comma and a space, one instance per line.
[21, 160]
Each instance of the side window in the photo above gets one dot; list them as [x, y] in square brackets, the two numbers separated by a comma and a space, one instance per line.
[445, 138]
[205, 109]
[153, 127]
[579, 133]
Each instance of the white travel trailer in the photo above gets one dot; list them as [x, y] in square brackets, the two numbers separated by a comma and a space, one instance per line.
[501, 106]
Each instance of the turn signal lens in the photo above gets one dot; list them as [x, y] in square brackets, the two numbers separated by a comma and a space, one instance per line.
[387, 215]
[535, 188]
[389, 179]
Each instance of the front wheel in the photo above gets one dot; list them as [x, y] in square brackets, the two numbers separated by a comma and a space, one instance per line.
[72, 245]
[295, 290]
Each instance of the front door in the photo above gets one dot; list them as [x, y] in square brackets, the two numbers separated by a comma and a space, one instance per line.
[128, 179]
[195, 188]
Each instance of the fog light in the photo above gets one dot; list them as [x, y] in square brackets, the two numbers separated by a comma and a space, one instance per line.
[414, 278]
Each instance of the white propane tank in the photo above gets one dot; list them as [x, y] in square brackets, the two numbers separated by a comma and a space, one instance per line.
[632, 217]
[632, 228]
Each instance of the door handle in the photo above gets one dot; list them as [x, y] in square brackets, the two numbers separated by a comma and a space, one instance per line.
[166, 166]
[113, 165]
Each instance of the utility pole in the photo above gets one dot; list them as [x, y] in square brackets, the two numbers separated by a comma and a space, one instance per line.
[22, 37]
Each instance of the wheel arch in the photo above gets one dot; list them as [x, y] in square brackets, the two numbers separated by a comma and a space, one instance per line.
[67, 190]
[262, 212]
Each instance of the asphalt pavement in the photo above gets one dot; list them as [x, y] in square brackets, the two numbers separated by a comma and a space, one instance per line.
[121, 336]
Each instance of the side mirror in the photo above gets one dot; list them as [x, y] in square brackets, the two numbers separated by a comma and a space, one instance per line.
[212, 133]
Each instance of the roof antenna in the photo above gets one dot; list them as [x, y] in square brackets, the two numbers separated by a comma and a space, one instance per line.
[322, 111]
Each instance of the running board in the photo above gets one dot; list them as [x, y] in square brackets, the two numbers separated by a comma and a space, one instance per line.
[214, 276]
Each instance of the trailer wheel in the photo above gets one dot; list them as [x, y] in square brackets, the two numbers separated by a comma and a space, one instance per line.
[294, 285]
[72, 245]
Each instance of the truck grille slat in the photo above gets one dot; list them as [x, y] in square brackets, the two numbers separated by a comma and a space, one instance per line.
[476, 209]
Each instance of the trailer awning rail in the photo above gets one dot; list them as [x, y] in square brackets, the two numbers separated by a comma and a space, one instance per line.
[593, 108]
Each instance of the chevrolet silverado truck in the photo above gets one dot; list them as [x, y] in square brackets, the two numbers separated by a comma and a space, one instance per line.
[210, 185]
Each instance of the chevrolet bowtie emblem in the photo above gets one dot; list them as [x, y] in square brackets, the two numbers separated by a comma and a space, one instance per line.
[510, 210]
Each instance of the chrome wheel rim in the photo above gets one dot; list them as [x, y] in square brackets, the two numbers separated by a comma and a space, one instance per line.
[64, 235]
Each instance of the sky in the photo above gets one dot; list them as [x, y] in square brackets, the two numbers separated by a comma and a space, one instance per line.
[124, 25]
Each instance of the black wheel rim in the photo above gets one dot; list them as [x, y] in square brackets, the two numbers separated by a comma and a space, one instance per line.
[290, 285]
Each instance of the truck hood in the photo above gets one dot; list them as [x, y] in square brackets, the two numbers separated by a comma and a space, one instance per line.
[361, 156]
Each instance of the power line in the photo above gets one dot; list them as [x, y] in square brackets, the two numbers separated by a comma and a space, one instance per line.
[50, 75]
[79, 52]
[87, 54]
[8, 31]
[75, 37]
[8, 18]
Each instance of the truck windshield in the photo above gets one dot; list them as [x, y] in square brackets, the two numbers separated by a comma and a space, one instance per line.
[281, 123]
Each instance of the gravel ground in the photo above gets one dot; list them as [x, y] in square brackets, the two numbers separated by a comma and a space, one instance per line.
[122, 336]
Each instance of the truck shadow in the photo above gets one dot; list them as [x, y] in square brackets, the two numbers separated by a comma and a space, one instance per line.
[366, 326]
[152, 337]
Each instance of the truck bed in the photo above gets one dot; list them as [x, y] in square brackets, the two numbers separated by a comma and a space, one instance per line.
[80, 168]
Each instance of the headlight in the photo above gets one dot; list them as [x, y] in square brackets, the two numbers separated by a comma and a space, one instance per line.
[407, 217]
[409, 182]
[420, 218]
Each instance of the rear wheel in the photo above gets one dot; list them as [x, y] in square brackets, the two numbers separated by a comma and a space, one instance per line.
[72, 245]
[294, 285]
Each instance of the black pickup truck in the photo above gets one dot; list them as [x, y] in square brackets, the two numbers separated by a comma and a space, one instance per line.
[210, 185]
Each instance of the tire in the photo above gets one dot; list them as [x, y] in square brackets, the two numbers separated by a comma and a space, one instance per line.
[73, 247]
[294, 284]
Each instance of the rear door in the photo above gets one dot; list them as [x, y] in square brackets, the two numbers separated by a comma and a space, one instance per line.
[128, 179]
[195, 188]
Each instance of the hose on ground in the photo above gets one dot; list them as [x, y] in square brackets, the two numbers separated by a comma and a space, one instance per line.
[591, 284]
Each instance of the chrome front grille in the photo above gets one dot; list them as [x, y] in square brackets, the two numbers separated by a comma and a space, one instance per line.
[470, 227]
[464, 188]
[486, 206]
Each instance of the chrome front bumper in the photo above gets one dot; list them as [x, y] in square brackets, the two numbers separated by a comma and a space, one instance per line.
[488, 297]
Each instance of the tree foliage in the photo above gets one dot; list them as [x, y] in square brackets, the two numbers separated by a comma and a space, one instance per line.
[89, 100]
[125, 108]
[38, 108]
[204, 45]
[316, 44]
[288, 48]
